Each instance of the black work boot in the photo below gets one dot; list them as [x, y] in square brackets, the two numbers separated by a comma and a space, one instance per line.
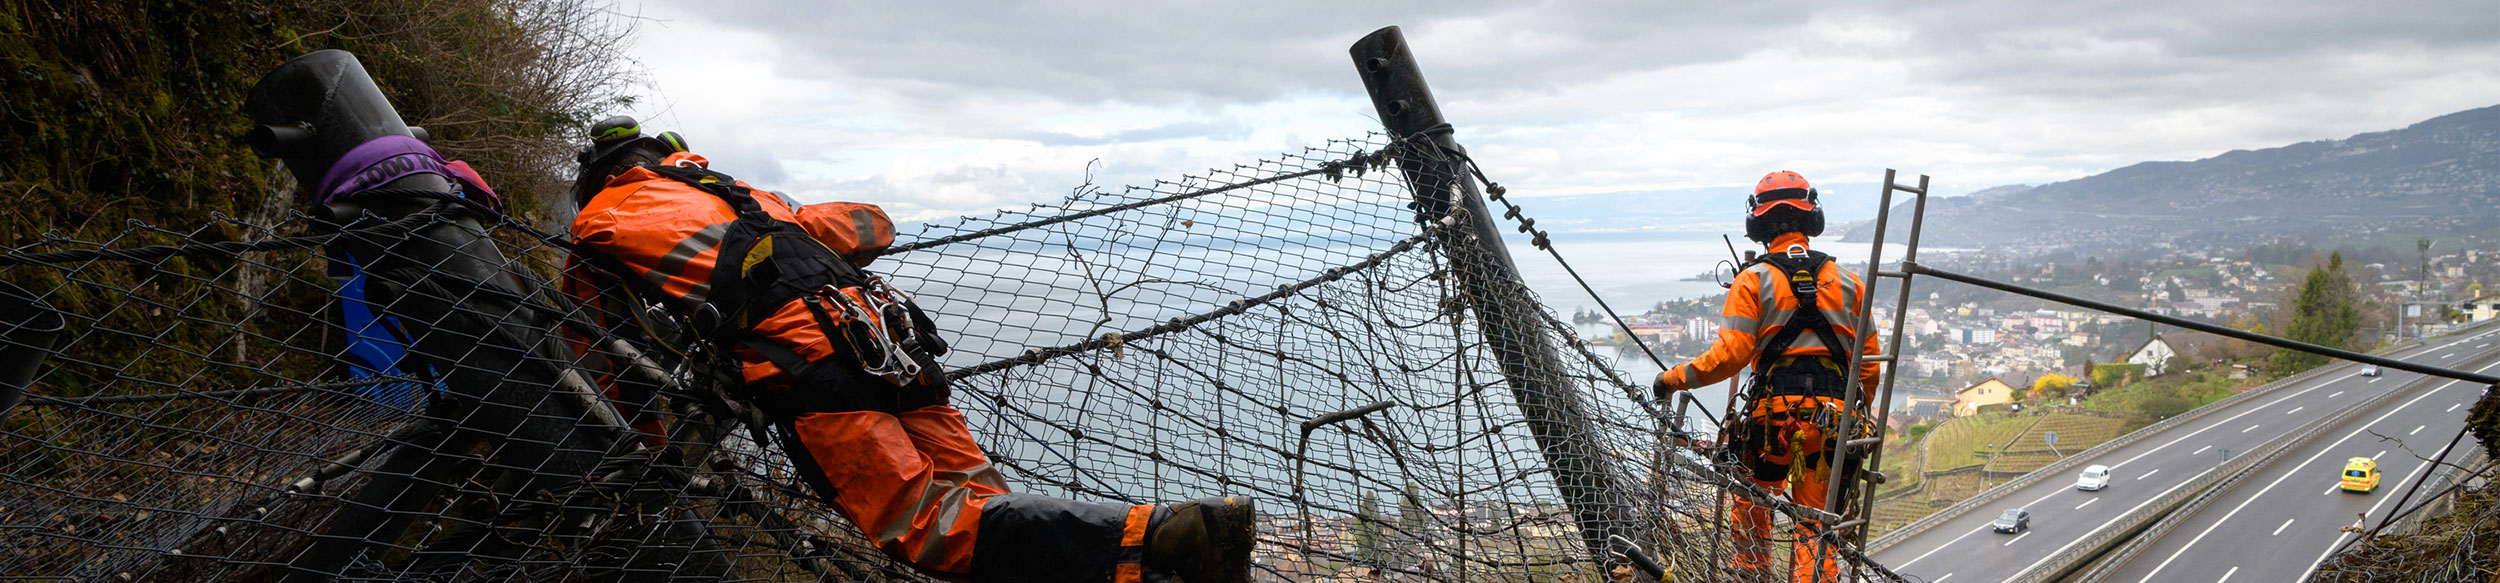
[1202, 541]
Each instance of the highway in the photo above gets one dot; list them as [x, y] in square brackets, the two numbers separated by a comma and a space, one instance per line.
[1965, 549]
[2282, 520]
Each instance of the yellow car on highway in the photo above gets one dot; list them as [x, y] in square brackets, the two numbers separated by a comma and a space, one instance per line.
[2360, 475]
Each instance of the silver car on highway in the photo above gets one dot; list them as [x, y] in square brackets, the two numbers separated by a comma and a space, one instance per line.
[2094, 478]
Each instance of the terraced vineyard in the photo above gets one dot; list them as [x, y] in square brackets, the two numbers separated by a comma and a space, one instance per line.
[1963, 456]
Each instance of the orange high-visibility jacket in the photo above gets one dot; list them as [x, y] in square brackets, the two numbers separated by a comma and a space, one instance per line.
[1754, 313]
[669, 233]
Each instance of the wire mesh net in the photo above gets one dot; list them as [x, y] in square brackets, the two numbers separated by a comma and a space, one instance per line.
[225, 403]
[2449, 536]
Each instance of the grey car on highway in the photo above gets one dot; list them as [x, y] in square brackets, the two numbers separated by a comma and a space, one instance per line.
[2013, 520]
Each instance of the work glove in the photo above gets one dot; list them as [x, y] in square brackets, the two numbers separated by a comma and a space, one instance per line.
[1667, 383]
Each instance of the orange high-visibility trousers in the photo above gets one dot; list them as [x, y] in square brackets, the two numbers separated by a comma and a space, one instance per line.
[920, 488]
[924, 509]
[1810, 559]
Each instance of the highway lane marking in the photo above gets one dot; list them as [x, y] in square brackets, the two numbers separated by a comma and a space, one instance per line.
[1906, 564]
[2226, 575]
[2382, 501]
[2340, 393]
[2225, 421]
[2452, 408]
[2061, 551]
[2277, 400]
[2086, 503]
[2201, 449]
[2149, 474]
[2278, 531]
[2296, 469]
[2140, 506]
[2373, 379]
[2416, 430]
[1941, 579]
[2251, 428]
[2295, 410]
[2026, 532]
[2450, 354]
[2380, 454]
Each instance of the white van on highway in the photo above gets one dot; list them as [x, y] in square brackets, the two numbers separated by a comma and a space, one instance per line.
[2094, 478]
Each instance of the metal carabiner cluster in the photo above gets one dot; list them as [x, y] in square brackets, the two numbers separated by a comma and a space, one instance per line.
[876, 326]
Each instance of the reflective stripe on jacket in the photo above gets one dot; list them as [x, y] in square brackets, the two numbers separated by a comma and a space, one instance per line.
[669, 233]
[1755, 312]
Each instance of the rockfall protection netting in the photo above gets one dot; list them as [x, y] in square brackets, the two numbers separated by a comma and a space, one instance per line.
[2451, 535]
[208, 412]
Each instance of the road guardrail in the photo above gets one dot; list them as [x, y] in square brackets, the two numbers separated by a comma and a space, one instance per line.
[2168, 515]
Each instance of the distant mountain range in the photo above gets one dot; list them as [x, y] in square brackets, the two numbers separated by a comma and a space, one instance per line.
[2438, 176]
[1703, 210]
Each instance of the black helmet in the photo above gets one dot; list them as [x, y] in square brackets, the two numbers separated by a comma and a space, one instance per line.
[610, 139]
[612, 136]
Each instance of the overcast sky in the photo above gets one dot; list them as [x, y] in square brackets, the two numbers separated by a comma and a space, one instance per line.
[945, 108]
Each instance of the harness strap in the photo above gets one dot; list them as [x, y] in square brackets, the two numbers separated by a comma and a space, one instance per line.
[1802, 275]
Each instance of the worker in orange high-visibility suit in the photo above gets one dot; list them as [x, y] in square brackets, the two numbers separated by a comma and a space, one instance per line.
[1783, 316]
[843, 368]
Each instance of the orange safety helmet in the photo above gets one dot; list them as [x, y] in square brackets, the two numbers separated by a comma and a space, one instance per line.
[1783, 202]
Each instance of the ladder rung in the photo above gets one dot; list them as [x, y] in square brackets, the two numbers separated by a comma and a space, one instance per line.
[1878, 358]
[1865, 441]
[1899, 274]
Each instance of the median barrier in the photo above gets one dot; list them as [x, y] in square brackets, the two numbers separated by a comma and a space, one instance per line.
[2173, 511]
[2070, 462]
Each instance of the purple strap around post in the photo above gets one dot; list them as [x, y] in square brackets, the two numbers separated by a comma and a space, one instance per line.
[382, 160]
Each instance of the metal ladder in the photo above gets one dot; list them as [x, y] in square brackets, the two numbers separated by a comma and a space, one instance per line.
[1854, 530]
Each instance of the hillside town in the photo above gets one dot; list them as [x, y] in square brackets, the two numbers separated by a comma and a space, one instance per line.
[1962, 337]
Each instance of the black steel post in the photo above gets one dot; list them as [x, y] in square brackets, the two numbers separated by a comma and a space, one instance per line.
[506, 374]
[1598, 498]
[28, 328]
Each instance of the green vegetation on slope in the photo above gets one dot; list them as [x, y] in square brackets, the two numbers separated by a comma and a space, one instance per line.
[115, 111]
[2165, 396]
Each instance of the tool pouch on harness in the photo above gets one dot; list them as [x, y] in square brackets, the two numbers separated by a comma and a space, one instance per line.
[766, 263]
[1758, 446]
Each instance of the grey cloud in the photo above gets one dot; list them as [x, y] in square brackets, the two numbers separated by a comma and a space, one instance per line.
[1163, 53]
[2193, 53]
[749, 162]
[1225, 130]
[1184, 53]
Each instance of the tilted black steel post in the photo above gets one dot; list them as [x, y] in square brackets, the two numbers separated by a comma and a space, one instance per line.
[465, 311]
[28, 328]
[1431, 161]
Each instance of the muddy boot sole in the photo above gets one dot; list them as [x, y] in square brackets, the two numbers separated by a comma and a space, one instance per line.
[1207, 540]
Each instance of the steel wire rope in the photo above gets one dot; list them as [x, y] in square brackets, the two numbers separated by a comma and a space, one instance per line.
[1496, 192]
[2435, 462]
[1332, 168]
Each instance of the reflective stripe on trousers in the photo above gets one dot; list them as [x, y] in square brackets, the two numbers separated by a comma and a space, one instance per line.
[915, 483]
[933, 500]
